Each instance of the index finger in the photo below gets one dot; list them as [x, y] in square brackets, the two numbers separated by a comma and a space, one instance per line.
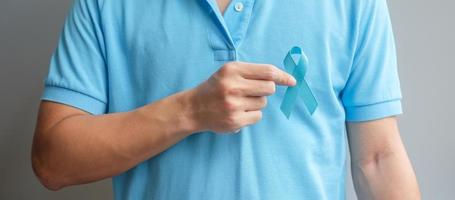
[266, 72]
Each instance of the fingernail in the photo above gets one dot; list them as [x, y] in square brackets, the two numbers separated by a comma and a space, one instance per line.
[293, 81]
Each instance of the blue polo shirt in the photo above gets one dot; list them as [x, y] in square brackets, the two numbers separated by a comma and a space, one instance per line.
[115, 56]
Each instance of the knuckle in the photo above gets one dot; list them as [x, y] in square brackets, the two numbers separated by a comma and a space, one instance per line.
[233, 91]
[229, 105]
[224, 87]
[223, 71]
[229, 90]
[269, 72]
[228, 67]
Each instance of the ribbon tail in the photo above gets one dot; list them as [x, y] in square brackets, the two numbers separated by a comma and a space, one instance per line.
[289, 100]
[308, 97]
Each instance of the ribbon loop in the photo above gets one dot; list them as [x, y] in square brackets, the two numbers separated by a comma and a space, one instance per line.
[297, 69]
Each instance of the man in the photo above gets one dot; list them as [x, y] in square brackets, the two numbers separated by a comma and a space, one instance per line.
[152, 94]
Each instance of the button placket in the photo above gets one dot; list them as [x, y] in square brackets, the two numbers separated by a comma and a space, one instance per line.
[233, 26]
[237, 18]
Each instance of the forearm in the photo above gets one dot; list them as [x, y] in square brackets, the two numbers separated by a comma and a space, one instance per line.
[73, 147]
[86, 148]
[380, 165]
[385, 176]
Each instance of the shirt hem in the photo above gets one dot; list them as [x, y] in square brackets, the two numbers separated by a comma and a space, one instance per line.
[373, 111]
[74, 99]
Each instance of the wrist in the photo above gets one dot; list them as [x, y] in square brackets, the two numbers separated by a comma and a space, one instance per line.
[187, 111]
[173, 115]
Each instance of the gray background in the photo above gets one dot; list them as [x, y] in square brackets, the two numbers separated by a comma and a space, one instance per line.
[424, 30]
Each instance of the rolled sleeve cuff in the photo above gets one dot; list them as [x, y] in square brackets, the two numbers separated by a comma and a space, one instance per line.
[75, 99]
[373, 111]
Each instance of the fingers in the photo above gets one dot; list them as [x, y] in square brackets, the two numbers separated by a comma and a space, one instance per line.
[242, 104]
[266, 72]
[254, 103]
[251, 117]
[258, 88]
[239, 92]
[238, 120]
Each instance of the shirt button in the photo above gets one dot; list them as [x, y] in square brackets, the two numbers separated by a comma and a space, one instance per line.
[238, 7]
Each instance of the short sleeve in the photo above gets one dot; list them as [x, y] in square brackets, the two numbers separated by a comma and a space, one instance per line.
[77, 75]
[372, 90]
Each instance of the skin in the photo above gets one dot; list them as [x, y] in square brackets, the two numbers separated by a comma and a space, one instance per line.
[72, 147]
[223, 4]
[379, 163]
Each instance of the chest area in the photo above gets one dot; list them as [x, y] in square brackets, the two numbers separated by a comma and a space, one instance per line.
[178, 44]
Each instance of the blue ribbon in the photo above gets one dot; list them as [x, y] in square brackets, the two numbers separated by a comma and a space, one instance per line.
[298, 70]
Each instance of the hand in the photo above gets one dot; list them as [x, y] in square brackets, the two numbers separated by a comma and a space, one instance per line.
[234, 96]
